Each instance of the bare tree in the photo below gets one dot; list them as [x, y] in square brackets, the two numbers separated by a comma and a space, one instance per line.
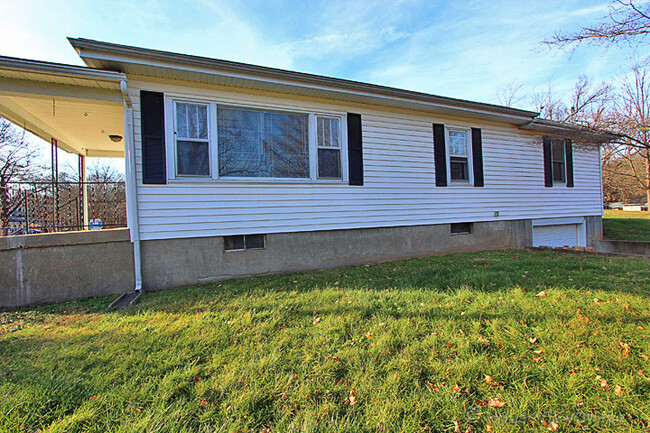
[16, 159]
[587, 106]
[627, 22]
[630, 120]
[509, 94]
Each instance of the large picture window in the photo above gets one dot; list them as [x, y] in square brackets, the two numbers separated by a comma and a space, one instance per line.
[192, 142]
[264, 144]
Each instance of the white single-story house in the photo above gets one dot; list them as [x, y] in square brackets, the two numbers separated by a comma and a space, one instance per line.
[235, 169]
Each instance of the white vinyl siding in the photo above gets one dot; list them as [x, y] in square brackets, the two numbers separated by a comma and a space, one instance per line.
[399, 180]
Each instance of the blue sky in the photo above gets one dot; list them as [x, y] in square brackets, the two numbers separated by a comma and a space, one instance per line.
[463, 49]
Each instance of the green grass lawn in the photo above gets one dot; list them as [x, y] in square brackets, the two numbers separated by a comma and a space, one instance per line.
[439, 344]
[626, 225]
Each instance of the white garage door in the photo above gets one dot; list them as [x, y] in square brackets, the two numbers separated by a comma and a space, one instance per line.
[556, 235]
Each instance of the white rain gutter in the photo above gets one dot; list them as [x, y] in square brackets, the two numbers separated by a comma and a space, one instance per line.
[131, 185]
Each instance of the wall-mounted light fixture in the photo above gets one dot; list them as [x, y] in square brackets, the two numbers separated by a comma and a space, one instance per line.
[115, 138]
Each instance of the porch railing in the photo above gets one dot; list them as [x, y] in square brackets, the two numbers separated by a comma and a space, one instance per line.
[46, 207]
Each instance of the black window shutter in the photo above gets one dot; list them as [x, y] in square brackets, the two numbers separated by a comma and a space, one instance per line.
[152, 109]
[568, 151]
[477, 156]
[355, 150]
[548, 163]
[440, 154]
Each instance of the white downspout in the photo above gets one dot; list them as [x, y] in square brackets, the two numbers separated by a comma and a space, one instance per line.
[131, 185]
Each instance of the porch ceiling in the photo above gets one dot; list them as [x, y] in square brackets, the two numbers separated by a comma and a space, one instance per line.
[79, 107]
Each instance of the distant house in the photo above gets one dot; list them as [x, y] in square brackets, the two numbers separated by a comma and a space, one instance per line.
[235, 169]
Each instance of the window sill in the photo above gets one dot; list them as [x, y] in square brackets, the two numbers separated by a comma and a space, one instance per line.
[249, 181]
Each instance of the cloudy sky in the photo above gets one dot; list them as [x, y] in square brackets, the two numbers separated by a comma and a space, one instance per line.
[464, 49]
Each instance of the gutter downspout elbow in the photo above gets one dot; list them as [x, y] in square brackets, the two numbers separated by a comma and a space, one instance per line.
[131, 185]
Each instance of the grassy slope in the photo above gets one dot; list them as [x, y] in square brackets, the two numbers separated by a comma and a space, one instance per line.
[411, 341]
[626, 225]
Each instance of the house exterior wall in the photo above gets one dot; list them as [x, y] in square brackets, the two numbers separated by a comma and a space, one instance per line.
[399, 179]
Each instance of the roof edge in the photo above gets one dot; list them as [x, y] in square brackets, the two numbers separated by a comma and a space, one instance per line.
[79, 44]
[60, 69]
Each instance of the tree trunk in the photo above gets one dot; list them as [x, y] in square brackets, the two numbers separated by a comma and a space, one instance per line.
[647, 178]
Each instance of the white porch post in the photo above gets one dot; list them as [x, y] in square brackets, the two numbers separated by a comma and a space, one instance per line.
[84, 191]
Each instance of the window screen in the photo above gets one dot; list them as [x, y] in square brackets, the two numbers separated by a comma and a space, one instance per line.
[192, 144]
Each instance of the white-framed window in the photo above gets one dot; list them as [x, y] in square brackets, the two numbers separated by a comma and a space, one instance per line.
[558, 155]
[228, 141]
[191, 139]
[262, 144]
[328, 144]
[459, 156]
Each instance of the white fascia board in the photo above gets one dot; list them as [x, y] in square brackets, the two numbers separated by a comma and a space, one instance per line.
[336, 88]
[58, 69]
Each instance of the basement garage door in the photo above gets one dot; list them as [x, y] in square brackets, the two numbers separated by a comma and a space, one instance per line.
[545, 233]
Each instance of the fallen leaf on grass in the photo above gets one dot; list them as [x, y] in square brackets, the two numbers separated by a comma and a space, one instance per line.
[541, 294]
[488, 427]
[646, 357]
[582, 317]
[618, 391]
[625, 347]
[495, 402]
[455, 388]
[643, 375]
[538, 352]
[483, 340]
[603, 382]
[433, 387]
[203, 402]
[553, 426]
[532, 340]
[316, 320]
[490, 381]
[352, 398]
[480, 403]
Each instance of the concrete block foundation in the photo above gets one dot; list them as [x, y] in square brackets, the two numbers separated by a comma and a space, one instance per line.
[179, 262]
[63, 266]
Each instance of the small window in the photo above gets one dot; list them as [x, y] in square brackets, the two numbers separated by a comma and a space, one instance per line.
[243, 242]
[192, 143]
[559, 165]
[461, 228]
[459, 156]
[328, 133]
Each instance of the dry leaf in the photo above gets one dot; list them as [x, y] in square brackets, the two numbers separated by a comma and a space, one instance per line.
[482, 339]
[541, 294]
[433, 386]
[532, 340]
[495, 402]
[352, 398]
[538, 352]
[643, 375]
[618, 390]
[625, 347]
[480, 403]
[603, 381]
[316, 320]
[488, 427]
[203, 402]
[490, 381]
[455, 388]
[553, 426]
[368, 335]
[646, 357]
[538, 360]
[582, 316]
